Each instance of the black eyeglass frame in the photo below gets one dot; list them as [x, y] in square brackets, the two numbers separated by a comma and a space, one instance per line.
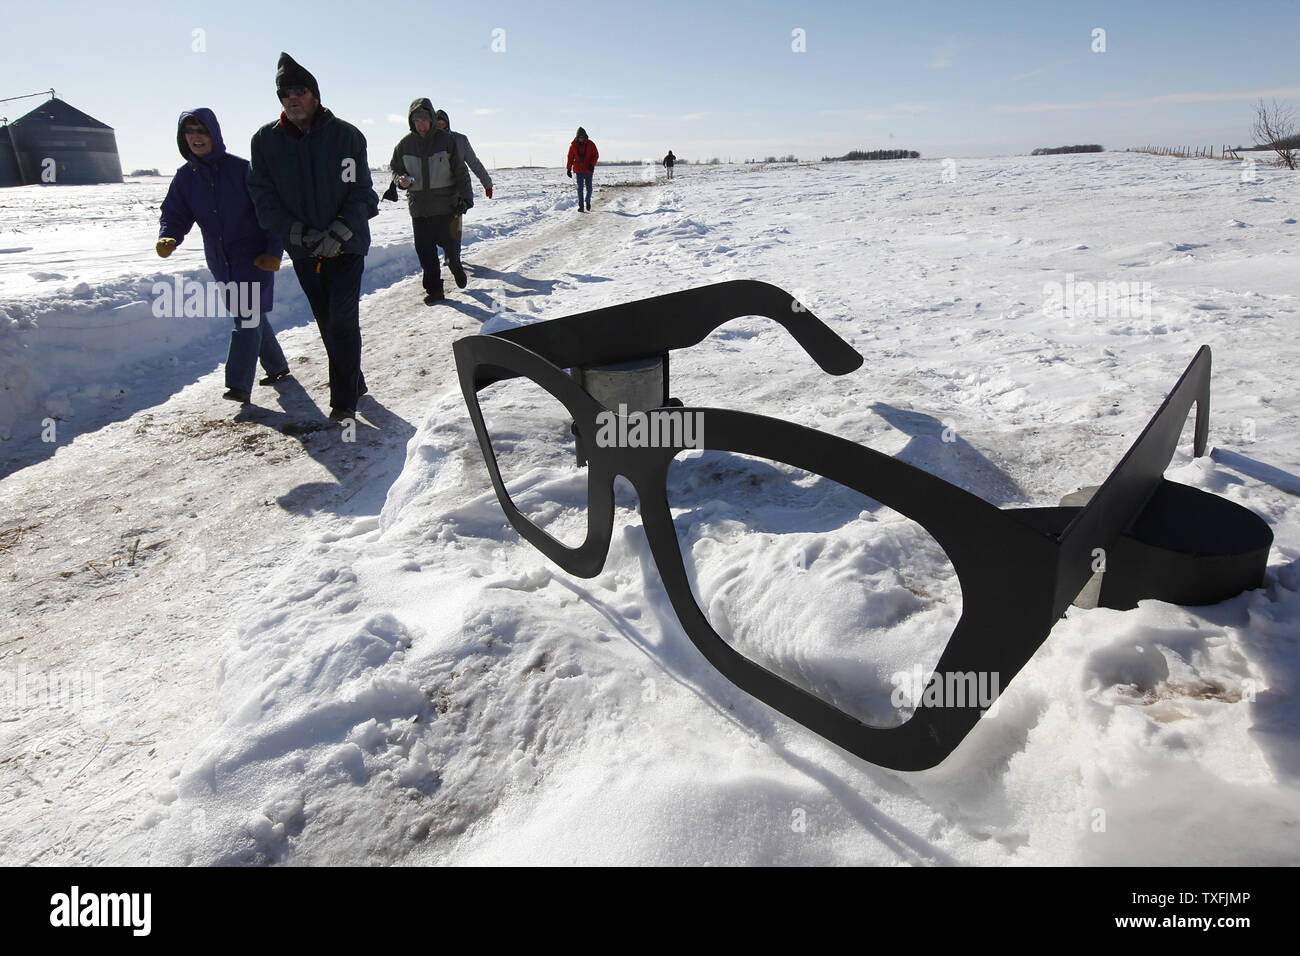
[1019, 568]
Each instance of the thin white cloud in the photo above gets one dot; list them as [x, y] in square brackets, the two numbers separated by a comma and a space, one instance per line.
[1166, 99]
[689, 117]
[941, 57]
[897, 111]
[913, 108]
[367, 122]
[394, 118]
[861, 116]
[485, 111]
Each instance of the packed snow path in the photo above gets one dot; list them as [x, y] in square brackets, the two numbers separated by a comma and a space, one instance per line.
[298, 649]
[138, 549]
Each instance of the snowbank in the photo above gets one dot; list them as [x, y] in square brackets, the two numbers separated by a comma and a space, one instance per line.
[413, 683]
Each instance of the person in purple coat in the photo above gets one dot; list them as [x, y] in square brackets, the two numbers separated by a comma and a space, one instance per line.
[211, 189]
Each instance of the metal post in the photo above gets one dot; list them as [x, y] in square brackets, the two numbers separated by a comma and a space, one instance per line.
[636, 385]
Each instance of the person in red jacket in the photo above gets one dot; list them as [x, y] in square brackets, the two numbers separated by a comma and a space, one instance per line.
[582, 160]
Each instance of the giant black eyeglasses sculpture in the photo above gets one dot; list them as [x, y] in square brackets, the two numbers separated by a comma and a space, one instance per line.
[1018, 568]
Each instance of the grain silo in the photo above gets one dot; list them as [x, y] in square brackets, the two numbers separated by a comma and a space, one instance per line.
[57, 143]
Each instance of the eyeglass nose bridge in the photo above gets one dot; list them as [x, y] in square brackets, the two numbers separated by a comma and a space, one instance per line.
[633, 386]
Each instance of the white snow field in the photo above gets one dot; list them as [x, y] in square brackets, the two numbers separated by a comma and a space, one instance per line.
[234, 637]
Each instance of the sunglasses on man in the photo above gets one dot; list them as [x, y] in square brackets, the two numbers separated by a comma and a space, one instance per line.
[1018, 569]
[285, 92]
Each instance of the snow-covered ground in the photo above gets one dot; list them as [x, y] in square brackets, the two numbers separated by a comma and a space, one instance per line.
[236, 637]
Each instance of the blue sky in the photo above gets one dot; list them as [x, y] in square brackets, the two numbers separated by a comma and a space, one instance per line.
[704, 79]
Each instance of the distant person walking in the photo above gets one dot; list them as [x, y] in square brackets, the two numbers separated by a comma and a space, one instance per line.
[471, 160]
[669, 160]
[427, 163]
[310, 182]
[582, 160]
[210, 189]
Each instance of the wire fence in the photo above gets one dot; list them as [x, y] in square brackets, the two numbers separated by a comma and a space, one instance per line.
[1189, 152]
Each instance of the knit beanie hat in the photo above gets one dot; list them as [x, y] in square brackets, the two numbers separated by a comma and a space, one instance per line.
[288, 73]
[422, 114]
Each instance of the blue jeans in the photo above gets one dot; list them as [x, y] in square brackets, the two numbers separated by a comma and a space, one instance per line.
[247, 345]
[583, 178]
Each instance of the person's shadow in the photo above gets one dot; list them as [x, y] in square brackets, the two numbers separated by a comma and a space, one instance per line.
[487, 304]
[364, 456]
[939, 449]
[646, 212]
[521, 284]
[480, 313]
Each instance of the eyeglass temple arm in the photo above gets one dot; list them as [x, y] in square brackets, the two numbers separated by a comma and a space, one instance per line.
[1124, 494]
[679, 320]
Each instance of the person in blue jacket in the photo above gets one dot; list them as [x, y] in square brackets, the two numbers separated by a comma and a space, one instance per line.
[210, 189]
[310, 184]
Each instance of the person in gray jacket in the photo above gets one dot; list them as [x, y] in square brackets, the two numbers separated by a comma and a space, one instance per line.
[428, 165]
[470, 158]
[472, 161]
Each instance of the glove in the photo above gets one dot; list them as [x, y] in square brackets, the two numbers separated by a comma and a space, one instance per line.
[391, 192]
[488, 192]
[305, 238]
[165, 247]
[267, 263]
[459, 206]
[332, 244]
[569, 173]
